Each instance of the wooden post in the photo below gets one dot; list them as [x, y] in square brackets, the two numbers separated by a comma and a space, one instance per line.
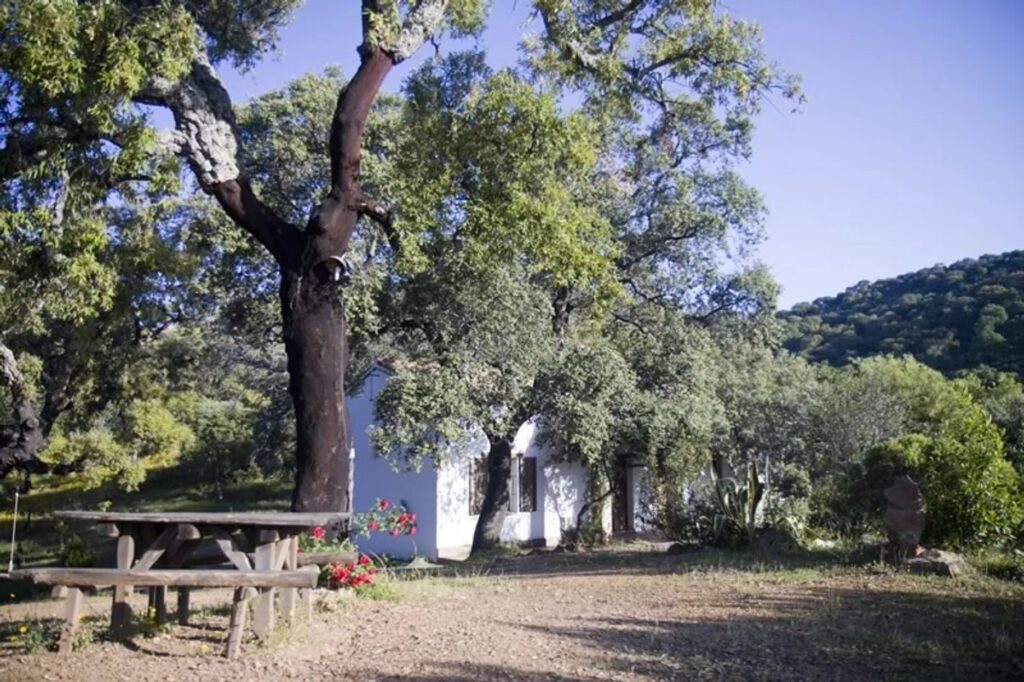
[306, 603]
[290, 547]
[72, 614]
[236, 627]
[158, 597]
[121, 612]
[263, 609]
[183, 598]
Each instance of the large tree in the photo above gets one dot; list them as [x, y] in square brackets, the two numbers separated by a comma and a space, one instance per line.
[74, 75]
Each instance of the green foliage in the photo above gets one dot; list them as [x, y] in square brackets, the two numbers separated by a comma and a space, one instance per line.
[75, 553]
[968, 314]
[584, 400]
[973, 496]
[494, 163]
[972, 493]
[98, 456]
[1002, 395]
[738, 500]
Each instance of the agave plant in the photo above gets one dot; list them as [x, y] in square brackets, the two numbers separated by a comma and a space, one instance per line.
[738, 499]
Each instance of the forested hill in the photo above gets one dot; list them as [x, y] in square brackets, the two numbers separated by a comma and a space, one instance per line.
[952, 317]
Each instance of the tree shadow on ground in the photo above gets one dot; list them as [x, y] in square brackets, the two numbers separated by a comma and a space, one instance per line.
[471, 672]
[696, 559]
[818, 634]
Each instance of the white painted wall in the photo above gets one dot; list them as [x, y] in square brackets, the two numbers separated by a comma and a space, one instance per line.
[561, 487]
[373, 478]
[441, 498]
[640, 507]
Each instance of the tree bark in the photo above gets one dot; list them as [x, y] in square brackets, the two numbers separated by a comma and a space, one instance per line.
[311, 303]
[495, 504]
[313, 311]
[21, 443]
[314, 338]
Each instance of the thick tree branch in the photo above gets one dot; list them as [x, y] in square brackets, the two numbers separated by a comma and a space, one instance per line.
[20, 445]
[619, 14]
[205, 135]
[383, 216]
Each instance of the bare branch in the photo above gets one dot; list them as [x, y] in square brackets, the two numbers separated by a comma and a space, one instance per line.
[383, 216]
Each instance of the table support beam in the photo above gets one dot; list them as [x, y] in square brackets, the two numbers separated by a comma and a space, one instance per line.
[121, 611]
[263, 606]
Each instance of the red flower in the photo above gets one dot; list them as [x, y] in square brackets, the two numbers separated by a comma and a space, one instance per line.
[412, 517]
[411, 531]
[318, 533]
[371, 570]
[402, 518]
[394, 532]
[363, 559]
[373, 525]
[384, 504]
[350, 565]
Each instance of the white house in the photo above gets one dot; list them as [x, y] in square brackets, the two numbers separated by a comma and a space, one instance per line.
[545, 495]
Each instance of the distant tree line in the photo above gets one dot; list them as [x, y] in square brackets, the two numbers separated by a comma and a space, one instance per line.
[952, 318]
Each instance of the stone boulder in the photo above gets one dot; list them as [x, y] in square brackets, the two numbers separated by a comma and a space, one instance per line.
[937, 562]
[904, 515]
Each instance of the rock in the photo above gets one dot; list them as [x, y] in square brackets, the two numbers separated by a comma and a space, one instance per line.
[681, 548]
[776, 540]
[937, 562]
[904, 515]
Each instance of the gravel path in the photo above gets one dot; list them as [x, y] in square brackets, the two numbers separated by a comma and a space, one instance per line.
[626, 616]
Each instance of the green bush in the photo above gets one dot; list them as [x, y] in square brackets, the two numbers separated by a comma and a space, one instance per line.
[972, 493]
[74, 553]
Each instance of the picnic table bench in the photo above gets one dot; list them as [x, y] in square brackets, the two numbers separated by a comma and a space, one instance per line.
[254, 552]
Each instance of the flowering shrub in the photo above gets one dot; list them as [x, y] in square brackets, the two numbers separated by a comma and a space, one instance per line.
[355, 574]
[317, 541]
[385, 517]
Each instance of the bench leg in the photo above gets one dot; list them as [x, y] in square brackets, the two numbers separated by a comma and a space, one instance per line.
[236, 628]
[72, 615]
[121, 612]
[184, 594]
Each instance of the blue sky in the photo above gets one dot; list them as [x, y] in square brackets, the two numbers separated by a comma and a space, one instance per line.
[909, 152]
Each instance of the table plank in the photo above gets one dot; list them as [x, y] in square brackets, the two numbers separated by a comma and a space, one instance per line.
[238, 519]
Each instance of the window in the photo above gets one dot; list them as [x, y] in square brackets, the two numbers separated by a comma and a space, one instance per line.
[478, 487]
[528, 484]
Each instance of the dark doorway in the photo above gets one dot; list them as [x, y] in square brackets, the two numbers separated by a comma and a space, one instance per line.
[620, 515]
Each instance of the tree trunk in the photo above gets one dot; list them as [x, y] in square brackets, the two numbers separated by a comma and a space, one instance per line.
[313, 312]
[20, 445]
[314, 338]
[495, 504]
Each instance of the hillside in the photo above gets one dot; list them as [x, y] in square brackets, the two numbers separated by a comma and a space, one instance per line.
[952, 317]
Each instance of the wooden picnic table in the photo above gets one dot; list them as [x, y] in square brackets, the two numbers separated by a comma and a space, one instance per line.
[247, 541]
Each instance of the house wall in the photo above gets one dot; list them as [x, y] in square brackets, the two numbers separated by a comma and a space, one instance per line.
[440, 497]
[373, 478]
[640, 507]
[561, 488]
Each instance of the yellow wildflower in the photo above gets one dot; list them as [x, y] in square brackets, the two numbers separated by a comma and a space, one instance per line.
[23, 629]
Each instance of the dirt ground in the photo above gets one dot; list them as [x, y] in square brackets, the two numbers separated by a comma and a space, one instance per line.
[615, 615]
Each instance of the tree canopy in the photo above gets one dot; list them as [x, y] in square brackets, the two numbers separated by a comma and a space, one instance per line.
[952, 318]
